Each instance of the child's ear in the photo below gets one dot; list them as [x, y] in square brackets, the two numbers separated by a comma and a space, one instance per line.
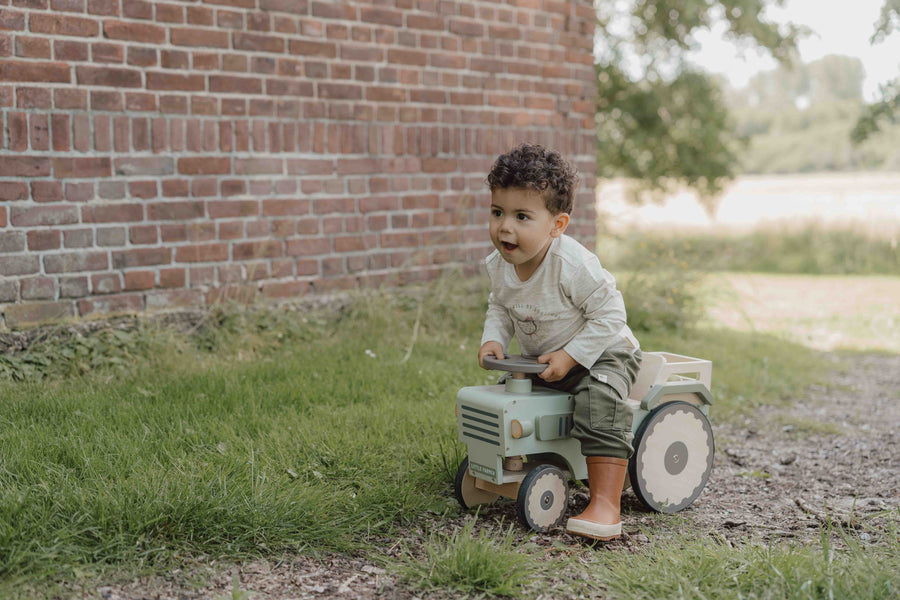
[560, 222]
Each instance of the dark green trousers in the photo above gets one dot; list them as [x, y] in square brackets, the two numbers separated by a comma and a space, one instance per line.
[602, 417]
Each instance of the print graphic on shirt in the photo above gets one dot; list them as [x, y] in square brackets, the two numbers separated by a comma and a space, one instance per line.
[527, 317]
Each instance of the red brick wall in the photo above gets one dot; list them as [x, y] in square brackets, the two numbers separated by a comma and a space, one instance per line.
[160, 154]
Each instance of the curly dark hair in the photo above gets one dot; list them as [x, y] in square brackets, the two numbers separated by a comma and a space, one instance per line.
[534, 167]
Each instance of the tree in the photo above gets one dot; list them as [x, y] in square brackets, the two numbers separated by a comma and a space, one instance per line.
[887, 108]
[659, 120]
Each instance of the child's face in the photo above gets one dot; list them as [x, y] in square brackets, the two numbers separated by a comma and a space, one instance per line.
[522, 227]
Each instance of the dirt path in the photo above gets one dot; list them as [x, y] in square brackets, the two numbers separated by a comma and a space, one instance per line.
[834, 450]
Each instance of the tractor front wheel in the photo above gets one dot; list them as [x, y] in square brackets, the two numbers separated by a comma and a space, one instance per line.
[543, 498]
[465, 491]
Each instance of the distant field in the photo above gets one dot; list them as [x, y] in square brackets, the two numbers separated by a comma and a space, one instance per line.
[865, 201]
[823, 312]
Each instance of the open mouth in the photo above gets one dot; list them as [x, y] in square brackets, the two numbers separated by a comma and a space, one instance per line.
[509, 247]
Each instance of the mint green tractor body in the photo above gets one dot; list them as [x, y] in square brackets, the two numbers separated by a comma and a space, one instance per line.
[520, 447]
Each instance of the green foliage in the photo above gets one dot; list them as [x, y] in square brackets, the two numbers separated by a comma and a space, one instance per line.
[463, 562]
[660, 131]
[886, 110]
[800, 119]
[658, 120]
[812, 250]
[72, 355]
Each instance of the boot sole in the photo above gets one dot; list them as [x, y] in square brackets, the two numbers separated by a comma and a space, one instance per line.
[597, 531]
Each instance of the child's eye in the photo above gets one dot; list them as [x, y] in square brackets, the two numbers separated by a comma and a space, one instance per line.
[497, 212]
[522, 217]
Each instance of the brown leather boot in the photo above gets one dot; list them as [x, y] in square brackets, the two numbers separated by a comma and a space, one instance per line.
[600, 521]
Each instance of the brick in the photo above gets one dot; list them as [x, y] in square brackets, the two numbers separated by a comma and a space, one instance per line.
[61, 133]
[106, 100]
[33, 313]
[299, 7]
[108, 76]
[9, 291]
[111, 190]
[106, 283]
[19, 264]
[259, 249]
[155, 165]
[312, 48]
[39, 130]
[113, 213]
[174, 59]
[137, 9]
[17, 132]
[12, 20]
[71, 262]
[144, 190]
[79, 191]
[46, 191]
[165, 299]
[175, 81]
[258, 166]
[175, 211]
[41, 72]
[235, 85]
[82, 133]
[253, 42]
[204, 165]
[286, 289]
[134, 32]
[32, 47]
[10, 191]
[340, 91]
[38, 216]
[82, 167]
[189, 36]
[12, 241]
[285, 207]
[111, 237]
[125, 303]
[170, 278]
[222, 209]
[66, 98]
[308, 246]
[63, 25]
[38, 288]
[73, 287]
[139, 280]
[169, 13]
[140, 102]
[143, 257]
[202, 253]
[78, 238]
[103, 7]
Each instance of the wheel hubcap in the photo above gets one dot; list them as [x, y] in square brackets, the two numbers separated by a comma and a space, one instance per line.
[546, 499]
[676, 458]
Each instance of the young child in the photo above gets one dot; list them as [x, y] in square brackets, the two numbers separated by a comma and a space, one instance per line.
[551, 293]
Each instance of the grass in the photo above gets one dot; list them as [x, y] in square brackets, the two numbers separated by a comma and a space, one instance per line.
[828, 313]
[709, 568]
[269, 431]
[811, 250]
[464, 562]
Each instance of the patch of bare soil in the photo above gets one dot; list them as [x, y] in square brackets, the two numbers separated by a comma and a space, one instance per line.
[831, 455]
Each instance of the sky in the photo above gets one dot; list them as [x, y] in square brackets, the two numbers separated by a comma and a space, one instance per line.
[843, 27]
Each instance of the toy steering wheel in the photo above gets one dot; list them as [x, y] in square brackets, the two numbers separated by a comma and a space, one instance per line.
[514, 363]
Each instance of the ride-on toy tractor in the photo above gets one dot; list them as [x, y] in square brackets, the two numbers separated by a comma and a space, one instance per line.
[519, 445]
